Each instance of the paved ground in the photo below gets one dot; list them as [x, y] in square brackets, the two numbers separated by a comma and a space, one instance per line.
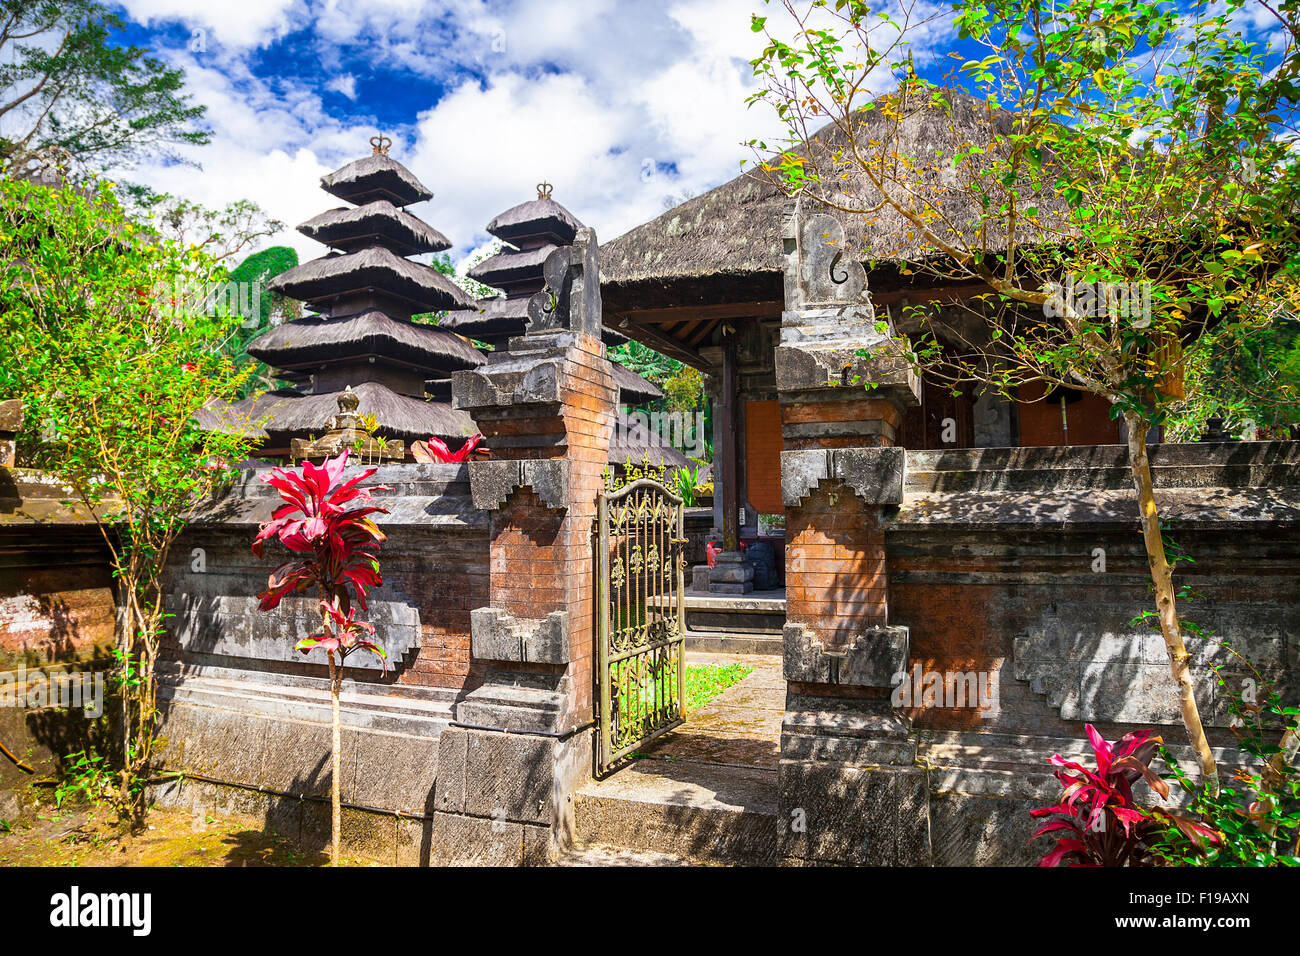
[739, 727]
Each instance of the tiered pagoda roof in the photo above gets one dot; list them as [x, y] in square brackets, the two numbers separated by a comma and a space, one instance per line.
[363, 339]
[532, 231]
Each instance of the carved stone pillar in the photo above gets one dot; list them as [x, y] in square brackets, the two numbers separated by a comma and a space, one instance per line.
[522, 740]
[849, 787]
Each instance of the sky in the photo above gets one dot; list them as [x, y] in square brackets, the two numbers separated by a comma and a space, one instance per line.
[620, 104]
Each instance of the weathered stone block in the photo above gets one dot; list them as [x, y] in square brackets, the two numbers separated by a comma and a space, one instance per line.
[491, 482]
[872, 660]
[876, 475]
[497, 635]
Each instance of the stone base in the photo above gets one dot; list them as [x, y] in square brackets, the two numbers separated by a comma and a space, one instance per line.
[731, 574]
[850, 790]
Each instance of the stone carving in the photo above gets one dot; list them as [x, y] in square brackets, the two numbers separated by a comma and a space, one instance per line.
[874, 474]
[497, 635]
[347, 430]
[1094, 665]
[826, 273]
[571, 299]
[872, 660]
[491, 482]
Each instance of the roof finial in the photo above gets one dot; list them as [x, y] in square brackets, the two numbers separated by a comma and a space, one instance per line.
[381, 144]
[544, 190]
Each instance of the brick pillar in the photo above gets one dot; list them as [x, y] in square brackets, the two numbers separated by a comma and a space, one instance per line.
[522, 740]
[850, 790]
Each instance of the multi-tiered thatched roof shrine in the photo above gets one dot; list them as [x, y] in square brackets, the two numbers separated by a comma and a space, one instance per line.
[531, 231]
[362, 337]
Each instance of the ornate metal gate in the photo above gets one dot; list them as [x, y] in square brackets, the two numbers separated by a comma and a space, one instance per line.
[641, 615]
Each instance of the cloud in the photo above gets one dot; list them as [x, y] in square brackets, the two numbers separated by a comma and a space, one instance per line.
[345, 84]
[232, 23]
[618, 104]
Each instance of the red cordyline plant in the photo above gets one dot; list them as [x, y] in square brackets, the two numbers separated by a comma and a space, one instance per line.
[436, 450]
[1097, 821]
[335, 553]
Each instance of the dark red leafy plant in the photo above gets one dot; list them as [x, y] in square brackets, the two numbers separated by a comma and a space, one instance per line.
[1097, 822]
[436, 450]
[335, 548]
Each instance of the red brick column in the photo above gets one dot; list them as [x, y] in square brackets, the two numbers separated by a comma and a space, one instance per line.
[849, 786]
[522, 741]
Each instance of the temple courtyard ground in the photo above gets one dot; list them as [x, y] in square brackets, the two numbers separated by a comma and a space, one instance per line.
[704, 793]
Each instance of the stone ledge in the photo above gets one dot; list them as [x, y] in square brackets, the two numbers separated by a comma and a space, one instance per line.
[872, 660]
[491, 482]
[876, 475]
[497, 635]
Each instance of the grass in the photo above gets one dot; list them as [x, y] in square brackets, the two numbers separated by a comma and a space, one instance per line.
[706, 681]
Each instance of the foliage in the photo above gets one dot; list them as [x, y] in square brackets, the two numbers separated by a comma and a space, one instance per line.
[686, 480]
[272, 309]
[1247, 373]
[436, 450]
[335, 550]
[112, 379]
[67, 83]
[645, 361]
[1153, 139]
[684, 389]
[1257, 813]
[87, 774]
[1097, 818]
[706, 681]
[442, 263]
[220, 233]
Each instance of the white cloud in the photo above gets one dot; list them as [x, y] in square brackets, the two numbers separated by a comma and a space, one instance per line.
[577, 94]
[345, 84]
[232, 23]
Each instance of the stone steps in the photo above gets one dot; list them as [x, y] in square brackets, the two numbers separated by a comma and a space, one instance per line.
[698, 813]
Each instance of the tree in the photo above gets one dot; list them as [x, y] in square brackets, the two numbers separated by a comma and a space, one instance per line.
[335, 553]
[112, 378]
[272, 308]
[65, 83]
[220, 233]
[1133, 148]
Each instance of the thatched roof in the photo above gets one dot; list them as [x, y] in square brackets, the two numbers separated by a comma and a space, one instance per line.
[510, 266]
[629, 444]
[734, 231]
[633, 388]
[375, 177]
[373, 269]
[375, 222]
[315, 339]
[410, 419]
[537, 217]
[497, 319]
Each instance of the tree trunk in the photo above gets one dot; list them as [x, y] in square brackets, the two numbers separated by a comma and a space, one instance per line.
[1166, 605]
[336, 759]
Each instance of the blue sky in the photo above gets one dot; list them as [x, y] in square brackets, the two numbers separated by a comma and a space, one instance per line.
[619, 104]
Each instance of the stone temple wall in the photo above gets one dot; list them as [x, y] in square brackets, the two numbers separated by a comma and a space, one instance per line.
[1022, 571]
[56, 622]
[246, 718]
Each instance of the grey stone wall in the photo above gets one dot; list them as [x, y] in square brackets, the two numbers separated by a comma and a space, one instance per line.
[246, 718]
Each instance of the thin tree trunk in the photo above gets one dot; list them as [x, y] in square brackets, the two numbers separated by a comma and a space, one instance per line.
[1166, 605]
[336, 680]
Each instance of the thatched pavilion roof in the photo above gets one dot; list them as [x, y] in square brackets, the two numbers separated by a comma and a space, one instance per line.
[374, 269]
[538, 217]
[375, 177]
[375, 222]
[315, 339]
[403, 417]
[633, 388]
[511, 266]
[735, 229]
